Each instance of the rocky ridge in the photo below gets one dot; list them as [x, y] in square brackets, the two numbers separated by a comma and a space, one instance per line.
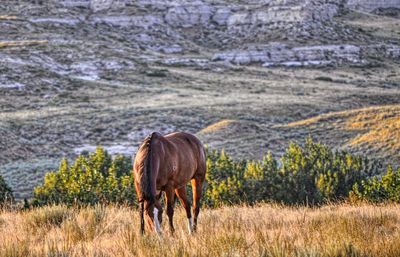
[207, 27]
[97, 39]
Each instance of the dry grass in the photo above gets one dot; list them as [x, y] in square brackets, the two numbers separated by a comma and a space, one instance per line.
[374, 127]
[377, 25]
[264, 230]
[381, 126]
[217, 126]
[8, 17]
[4, 44]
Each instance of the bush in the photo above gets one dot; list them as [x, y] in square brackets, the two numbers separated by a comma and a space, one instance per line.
[5, 192]
[92, 179]
[315, 174]
[224, 179]
[322, 78]
[309, 174]
[385, 188]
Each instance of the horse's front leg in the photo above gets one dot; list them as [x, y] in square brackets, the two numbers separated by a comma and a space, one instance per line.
[153, 212]
[170, 197]
[157, 217]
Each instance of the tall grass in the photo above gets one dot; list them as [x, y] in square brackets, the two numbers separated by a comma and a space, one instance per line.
[46, 217]
[263, 230]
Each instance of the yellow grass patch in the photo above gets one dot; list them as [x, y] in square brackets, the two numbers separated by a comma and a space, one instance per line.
[378, 126]
[381, 126]
[307, 122]
[7, 17]
[22, 43]
[217, 126]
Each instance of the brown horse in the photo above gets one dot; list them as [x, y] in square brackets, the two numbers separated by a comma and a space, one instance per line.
[168, 163]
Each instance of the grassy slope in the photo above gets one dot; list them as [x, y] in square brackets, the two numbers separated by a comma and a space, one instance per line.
[376, 25]
[259, 102]
[265, 230]
[374, 131]
[187, 99]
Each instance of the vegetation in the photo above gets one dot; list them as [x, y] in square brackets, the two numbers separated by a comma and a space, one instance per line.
[261, 230]
[310, 174]
[22, 43]
[96, 178]
[5, 191]
[385, 188]
[374, 130]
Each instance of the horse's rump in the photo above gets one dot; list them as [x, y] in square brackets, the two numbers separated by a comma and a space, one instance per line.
[170, 160]
[168, 163]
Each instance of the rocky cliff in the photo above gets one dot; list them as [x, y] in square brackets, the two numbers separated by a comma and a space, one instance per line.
[179, 7]
[287, 32]
[91, 39]
[372, 5]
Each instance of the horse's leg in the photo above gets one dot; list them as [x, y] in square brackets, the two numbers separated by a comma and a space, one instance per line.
[159, 207]
[170, 195]
[197, 188]
[154, 215]
[181, 193]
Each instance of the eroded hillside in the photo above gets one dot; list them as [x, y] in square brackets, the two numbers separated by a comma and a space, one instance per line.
[75, 74]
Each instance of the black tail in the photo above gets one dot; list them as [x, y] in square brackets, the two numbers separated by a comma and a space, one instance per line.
[142, 218]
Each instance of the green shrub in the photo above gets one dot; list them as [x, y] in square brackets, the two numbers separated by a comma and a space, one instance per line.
[322, 78]
[309, 174]
[314, 173]
[263, 180]
[92, 179]
[224, 179]
[5, 192]
[379, 189]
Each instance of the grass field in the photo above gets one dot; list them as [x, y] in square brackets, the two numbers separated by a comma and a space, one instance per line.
[264, 230]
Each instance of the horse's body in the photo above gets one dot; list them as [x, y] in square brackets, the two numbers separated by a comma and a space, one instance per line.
[168, 163]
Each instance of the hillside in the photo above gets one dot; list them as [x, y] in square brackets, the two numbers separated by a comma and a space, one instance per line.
[76, 74]
[374, 131]
[264, 230]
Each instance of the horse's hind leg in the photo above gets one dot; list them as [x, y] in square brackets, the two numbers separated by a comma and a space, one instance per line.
[197, 187]
[170, 195]
[181, 193]
[159, 207]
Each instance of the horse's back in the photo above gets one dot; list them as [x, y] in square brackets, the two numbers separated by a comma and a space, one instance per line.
[190, 138]
[188, 144]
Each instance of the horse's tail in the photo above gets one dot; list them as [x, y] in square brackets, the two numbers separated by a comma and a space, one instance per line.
[145, 178]
[142, 217]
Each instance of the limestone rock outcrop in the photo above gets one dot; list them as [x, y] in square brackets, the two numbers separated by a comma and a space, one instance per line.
[182, 32]
[281, 54]
[371, 5]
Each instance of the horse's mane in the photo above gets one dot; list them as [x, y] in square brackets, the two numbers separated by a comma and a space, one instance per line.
[145, 177]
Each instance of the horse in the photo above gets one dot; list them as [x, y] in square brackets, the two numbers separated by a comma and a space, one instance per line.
[166, 164]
